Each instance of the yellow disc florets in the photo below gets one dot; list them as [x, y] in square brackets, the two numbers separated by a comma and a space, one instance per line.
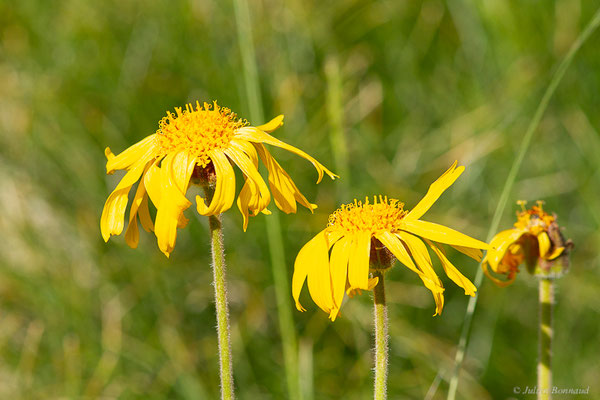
[534, 219]
[197, 131]
[385, 215]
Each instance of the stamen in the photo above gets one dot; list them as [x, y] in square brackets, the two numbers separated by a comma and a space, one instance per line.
[382, 214]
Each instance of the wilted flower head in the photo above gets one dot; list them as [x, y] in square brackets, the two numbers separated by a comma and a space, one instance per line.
[366, 236]
[198, 145]
[536, 239]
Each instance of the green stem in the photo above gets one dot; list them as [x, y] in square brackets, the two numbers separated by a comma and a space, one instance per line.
[381, 338]
[223, 330]
[546, 332]
[274, 234]
[508, 184]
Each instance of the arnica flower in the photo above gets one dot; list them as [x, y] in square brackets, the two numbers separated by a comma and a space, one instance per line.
[197, 145]
[535, 239]
[360, 233]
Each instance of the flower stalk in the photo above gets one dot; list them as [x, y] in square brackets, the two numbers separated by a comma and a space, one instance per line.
[381, 338]
[221, 305]
[546, 332]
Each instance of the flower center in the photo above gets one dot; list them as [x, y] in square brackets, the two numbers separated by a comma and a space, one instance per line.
[375, 217]
[197, 131]
[534, 219]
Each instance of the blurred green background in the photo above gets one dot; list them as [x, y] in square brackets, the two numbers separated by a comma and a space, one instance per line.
[412, 85]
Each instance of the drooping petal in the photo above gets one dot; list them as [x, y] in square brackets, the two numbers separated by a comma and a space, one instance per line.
[176, 170]
[315, 252]
[113, 213]
[132, 235]
[421, 255]
[358, 267]
[272, 124]
[499, 245]
[500, 283]
[338, 266]
[225, 187]
[319, 277]
[129, 156]
[393, 244]
[544, 243]
[435, 191]
[475, 254]
[144, 213]
[284, 190]
[152, 182]
[452, 272]
[255, 195]
[555, 253]
[441, 234]
[255, 135]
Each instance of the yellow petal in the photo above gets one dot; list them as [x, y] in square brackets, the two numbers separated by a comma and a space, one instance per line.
[254, 135]
[315, 252]
[152, 183]
[452, 272]
[435, 191]
[319, 281]
[421, 256]
[255, 194]
[441, 234]
[358, 268]
[272, 124]
[555, 253]
[339, 272]
[498, 282]
[500, 244]
[129, 156]
[475, 254]
[544, 243]
[393, 244]
[132, 235]
[176, 170]
[113, 213]
[225, 187]
[144, 214]
[284, 190]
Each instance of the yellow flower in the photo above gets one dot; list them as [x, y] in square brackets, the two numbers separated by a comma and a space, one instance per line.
[359, 233]
[198, 145]
[530, 240]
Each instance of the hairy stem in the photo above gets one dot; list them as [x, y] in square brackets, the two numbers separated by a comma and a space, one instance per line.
[544, 379]
[222, 309]
[381, 338]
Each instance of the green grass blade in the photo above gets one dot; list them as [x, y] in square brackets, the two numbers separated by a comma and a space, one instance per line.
[274, 235]
[510, 180]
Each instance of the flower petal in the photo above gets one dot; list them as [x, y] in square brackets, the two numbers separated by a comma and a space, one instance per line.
[225, 187]
[129, 156]
[338, 265]
[435, 191]
[358, 267]
[314, 253]
[272, 124]
[442, 234]
[176, 170]
[475, 254]
[255, 195]
[395, 245]
[452, 272]
[421, 256]
[132, 235]
[500, 244]
[284, 190]
[544, 243]
[113, 213]
[255, 135]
